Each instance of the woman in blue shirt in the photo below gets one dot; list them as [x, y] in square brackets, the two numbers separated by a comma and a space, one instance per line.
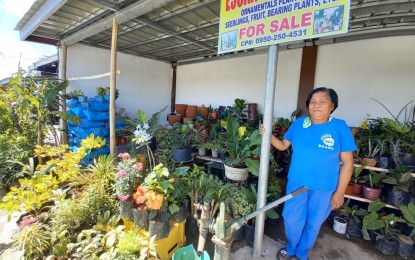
[320, 143]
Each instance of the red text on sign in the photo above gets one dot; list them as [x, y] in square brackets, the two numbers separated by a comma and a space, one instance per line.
[287, 23]
[252, 30]
[232, 4]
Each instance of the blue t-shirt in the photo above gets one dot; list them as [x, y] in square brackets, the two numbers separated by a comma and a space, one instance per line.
[315, 161]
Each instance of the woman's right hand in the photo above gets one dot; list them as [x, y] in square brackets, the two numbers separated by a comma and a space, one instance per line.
[261, 129]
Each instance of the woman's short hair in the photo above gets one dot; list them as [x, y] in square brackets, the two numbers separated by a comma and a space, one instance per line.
[333, 96]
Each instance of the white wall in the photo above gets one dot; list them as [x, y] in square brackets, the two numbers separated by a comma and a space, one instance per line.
[143, 84]
[220, 82]
[383, 69]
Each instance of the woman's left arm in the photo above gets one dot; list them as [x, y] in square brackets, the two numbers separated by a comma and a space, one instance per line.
[346, 171]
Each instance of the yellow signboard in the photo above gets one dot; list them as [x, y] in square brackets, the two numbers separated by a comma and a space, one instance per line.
[246, 24]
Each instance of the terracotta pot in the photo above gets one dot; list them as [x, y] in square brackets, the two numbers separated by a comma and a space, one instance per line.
[123, 141]
[186, 120]
[349, 189]
[370, 193]
[181, 109]
[204, 111]
[191, 111]
[173, 118]
[371, 162]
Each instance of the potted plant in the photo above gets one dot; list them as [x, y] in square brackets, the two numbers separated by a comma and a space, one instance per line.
[181, 138]
[383, 225]
[357, 180]
[100, 92]
[216, 146]
[400, 181]
[152, 195]
[373, 185]
[406, 247]
[372, 152]
[203, 146]
[241, 144]
[354, 216]
[402, 132]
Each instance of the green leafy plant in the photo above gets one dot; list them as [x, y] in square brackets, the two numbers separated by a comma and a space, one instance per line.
[136, 243]
[379, 222]
[241, 144]
[408, 213]
[100, 91]
[400, 178]
[181, 136]
[357, 170]
[354, 213]
[374, 179]
[34, 240]
[239, 108]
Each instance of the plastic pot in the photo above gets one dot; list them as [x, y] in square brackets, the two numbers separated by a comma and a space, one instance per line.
[397, 198]
[340, 225]
[387, 246]
[353, 228]
[126, 209]
[357, 189]
[238, 235]
[159, 228]
[180, 215]
[215, 154]
[140, 218]
[405, 246]
[370, 193]
[249, 232]
[182, 154]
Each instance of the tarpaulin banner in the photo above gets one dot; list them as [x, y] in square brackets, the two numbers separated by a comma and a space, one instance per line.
[246, 24]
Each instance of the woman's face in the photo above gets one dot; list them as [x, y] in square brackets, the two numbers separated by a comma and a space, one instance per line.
[320, 107]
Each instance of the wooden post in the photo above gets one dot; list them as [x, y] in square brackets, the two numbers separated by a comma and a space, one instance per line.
[113, 85]
[62, 76]
[173, 88]
[307, 75]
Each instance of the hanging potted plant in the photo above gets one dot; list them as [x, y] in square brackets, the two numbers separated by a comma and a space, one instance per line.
[373, 185]
[242, 144]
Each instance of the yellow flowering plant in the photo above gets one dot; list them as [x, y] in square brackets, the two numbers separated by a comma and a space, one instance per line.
[242, 143]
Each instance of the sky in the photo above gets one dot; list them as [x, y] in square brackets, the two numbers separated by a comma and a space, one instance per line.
[11, 48]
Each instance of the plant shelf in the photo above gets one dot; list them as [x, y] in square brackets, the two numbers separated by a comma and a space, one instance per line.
[366, 200]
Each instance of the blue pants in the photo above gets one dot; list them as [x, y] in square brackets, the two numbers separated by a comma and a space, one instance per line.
[303, 217]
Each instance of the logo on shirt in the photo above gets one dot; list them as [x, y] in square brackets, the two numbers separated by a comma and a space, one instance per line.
[328, 142]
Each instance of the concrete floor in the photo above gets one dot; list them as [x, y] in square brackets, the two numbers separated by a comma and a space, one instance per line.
[329, 246]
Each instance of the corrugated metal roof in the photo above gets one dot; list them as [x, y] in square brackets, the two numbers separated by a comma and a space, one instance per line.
[184, 30]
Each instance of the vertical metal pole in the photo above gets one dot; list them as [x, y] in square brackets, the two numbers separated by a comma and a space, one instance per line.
[265, 148]
[62, 76]
[113, 85]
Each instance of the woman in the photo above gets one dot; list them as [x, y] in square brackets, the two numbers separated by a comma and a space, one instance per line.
[320, 142]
